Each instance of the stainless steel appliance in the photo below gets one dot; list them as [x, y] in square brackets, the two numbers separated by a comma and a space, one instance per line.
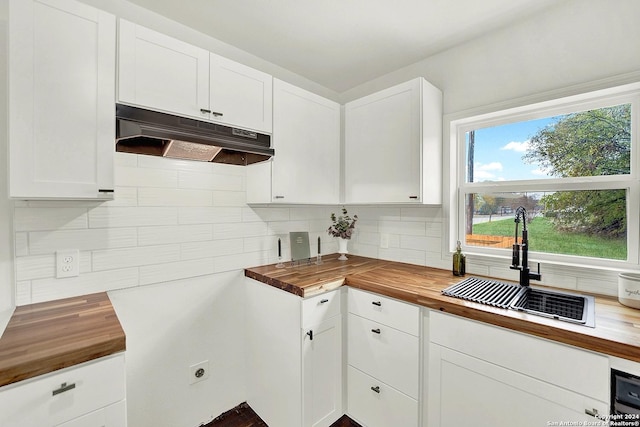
[625, 399]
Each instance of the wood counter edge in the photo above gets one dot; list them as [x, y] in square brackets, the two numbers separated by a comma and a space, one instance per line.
[106, 343]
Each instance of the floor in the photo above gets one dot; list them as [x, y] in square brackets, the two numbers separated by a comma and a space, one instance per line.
[243, 416]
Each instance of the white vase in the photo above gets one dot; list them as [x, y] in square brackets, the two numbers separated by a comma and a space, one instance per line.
[342, 249]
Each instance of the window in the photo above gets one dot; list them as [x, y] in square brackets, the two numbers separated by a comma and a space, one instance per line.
[570, 162]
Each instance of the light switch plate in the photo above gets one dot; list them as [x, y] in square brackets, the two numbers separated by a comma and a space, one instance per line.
[67, 263]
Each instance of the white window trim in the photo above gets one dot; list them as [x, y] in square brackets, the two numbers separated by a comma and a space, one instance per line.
[458, 126]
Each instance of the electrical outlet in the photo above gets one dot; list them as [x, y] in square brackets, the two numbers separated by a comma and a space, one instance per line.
[67, 263]
[384, 241]
[198, 372]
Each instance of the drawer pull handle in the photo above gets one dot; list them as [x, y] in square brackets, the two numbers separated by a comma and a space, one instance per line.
[278, 197]
[205, 111]
[376, 331]
[378, 303]
[413, 197]
[217, 114]
[376, 389]
[593, 412]
[310, 333]
[324, 301]
[63, 387]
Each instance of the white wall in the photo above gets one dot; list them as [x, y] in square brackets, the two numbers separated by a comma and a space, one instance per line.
[6, 235]
[573, 43]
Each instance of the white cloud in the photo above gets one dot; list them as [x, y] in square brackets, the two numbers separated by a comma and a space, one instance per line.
[519, 147]
[493, 166]
[539, 172]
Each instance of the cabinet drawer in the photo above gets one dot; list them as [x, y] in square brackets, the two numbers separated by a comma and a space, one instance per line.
[382, 407]
[390, 312]
[385, 353]
[321, 307]
[548, 361]
[63, 395]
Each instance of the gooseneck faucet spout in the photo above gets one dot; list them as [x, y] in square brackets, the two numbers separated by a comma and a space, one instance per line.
[525, 274]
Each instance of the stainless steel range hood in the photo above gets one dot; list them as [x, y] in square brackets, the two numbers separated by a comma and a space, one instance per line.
[142, 131]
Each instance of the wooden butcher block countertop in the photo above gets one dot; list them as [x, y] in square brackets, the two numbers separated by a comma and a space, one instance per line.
[617, 330]
[45, 337]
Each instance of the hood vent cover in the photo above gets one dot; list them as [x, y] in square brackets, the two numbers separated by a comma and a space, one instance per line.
[142, 131]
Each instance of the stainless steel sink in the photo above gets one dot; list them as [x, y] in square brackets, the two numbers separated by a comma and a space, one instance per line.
[558, 305]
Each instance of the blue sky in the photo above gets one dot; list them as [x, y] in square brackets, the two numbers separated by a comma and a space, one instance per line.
[499, 151]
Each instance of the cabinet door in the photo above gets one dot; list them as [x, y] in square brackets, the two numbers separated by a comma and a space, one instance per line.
[306, 138]
[240, 96]
[162, 73]
[383, 146]
[61, 100]
[112, 416]
[468, 392]
[322, 373]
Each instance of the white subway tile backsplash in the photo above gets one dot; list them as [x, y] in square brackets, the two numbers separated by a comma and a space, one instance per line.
[229, 198]
[239, 229]
[23, 292]
[210, 181]
[35, 267]
[173, 220]
[167, 272]
[123, 196]
[173, 197]
[209, 215]
[126, 176]
[399, 227]
[269, 244]
[132, 217]
[403, 255]
[21, 244]
[50, 289]
[267, 214]
[113, 259]
[40, 218]
[42, 242]
[174, 234]
[211, 248]
[126, 159]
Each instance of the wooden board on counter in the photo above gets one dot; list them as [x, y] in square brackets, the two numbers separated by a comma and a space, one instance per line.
[617, 330]
[48, 336]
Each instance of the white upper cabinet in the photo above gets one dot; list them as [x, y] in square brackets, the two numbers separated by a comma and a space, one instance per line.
[306, 139]
[162, 73]
[165, 74]
[61, 100]
[393, 145]
[242, 95]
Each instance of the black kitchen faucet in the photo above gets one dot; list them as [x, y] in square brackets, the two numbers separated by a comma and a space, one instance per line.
[525, 274]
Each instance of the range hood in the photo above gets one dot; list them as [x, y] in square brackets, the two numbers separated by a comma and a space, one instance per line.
[143, 131]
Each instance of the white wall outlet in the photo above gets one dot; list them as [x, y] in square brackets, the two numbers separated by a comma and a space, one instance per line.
[198, 372]
[67, 263]
[384, 240]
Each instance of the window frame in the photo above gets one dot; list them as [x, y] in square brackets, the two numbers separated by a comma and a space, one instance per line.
[626, 94]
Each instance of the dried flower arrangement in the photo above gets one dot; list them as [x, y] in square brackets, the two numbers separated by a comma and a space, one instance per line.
[343, 226]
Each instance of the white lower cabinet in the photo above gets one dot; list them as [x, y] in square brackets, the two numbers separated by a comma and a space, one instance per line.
[88, 395]
[294, 356]
[481, 375]
[383, 361]
[375, 404]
